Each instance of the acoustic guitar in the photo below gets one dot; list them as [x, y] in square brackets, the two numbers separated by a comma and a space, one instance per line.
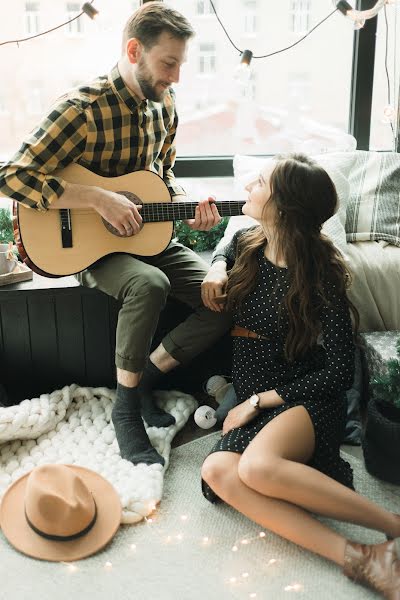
[62, 242]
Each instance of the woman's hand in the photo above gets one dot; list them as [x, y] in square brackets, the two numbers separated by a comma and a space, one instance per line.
[213, 287]
[240, 415]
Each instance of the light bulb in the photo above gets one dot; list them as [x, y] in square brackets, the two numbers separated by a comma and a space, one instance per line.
[359, 16]
[388, 114]
[90, 10]
[243, 71]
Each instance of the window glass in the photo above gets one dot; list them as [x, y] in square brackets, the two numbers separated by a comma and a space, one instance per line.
[76, 26]
[32, 19]
[385, 100]
[300, 15]
[250, 16]
[297, 96]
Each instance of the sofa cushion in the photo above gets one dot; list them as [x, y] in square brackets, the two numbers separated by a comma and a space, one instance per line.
[373, 211]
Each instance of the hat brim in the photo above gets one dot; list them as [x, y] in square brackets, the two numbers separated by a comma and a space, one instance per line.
[17, 531]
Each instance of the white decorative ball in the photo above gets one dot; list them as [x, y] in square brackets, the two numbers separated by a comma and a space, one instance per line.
[204, 417]
[214, 384]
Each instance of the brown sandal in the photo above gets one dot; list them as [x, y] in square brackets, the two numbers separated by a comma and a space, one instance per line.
[376, 566]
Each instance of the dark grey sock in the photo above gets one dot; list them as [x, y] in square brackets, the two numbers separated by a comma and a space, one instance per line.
[133, 441]
[152, 414]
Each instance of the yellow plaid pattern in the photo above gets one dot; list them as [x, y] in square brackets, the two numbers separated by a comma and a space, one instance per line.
[102, 126]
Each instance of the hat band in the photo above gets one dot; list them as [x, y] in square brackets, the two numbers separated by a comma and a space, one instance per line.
[64, 538]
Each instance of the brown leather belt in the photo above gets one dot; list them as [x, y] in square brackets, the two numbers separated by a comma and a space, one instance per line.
[243, 332]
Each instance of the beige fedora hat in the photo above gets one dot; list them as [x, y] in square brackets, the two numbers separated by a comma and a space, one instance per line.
[60, 513]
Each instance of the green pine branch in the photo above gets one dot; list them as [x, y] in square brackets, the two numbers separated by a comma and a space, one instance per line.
[200, 240]
[6, 226]
[386, 387]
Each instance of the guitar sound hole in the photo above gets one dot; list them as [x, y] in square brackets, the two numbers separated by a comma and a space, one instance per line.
[135, 200]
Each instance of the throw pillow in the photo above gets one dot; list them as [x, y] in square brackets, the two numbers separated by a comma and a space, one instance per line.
[373, 211]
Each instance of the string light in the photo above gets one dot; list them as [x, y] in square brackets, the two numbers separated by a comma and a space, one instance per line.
[388, 114]
[70, 566]
[295, 587]
[90, 10]
[86, 9]
[360, 16]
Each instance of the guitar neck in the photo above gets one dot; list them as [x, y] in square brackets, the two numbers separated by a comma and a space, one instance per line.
[153, 212]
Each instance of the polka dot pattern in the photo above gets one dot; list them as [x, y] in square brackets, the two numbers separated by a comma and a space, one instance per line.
[317, 381]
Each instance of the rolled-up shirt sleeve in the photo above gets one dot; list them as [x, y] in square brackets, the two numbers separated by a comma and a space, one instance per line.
[228, 252]
[338, 372]
[58, 140]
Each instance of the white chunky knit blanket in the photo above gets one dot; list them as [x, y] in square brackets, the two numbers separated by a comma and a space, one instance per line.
[73, 426]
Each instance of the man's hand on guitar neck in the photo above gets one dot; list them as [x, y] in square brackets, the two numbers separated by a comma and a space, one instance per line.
[113, 207]
[206, 215]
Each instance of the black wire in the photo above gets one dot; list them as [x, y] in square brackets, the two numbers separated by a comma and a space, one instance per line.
[44, 32]
[276, 51]
[386, 64]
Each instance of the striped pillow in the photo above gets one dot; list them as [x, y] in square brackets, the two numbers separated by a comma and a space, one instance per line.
[373, 209]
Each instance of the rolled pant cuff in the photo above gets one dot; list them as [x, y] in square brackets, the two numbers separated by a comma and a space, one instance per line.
[133, 365]
[177, 352]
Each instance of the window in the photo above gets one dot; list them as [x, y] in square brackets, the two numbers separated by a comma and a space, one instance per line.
[76, 26]
[300, 15]
[250, 16]
[384, 112]
[207, 59]
[32, 18]
[35, 100]
[3, 109]
[204, 7]
[299, 91]
[207, 95]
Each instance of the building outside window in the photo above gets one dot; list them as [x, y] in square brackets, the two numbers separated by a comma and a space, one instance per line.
[35, 98]
[32, 21]
[204, 7]
[3, 109]
[250, 16]
[300, 15]
[207, 95]
[207, 59]
[75, 27]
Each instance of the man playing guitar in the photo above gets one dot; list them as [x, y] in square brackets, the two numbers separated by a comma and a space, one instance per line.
[120, 123]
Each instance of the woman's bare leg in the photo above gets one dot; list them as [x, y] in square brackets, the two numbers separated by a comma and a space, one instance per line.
[273, 465]
[220, 471]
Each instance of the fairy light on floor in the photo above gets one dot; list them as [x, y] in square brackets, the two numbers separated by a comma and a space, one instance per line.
[70, 566]
[241, 581]
[294, 587]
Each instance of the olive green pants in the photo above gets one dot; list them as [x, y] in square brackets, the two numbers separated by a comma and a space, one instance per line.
[143, 285]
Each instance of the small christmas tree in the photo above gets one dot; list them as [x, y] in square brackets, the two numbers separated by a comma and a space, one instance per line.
[386, 387]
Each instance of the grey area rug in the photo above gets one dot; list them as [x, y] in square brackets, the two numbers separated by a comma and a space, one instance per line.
[186, 552]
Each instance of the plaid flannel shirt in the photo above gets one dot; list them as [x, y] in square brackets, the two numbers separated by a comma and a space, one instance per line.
[102, 126]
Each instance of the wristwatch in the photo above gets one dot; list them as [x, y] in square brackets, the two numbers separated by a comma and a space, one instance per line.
[255, 401]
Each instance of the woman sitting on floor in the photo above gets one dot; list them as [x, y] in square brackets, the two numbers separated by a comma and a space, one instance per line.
[293, 357]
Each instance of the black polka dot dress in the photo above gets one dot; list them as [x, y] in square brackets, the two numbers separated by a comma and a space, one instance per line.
[318, 381]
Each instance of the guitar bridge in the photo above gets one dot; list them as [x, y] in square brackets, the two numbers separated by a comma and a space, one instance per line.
[66, 228]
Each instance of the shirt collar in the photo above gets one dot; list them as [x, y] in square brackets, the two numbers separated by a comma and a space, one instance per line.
[132, 101]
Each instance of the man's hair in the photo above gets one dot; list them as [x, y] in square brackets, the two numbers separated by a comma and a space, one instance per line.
[153, 18]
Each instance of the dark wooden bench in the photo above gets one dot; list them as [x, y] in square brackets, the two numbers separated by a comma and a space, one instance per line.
[54, 332]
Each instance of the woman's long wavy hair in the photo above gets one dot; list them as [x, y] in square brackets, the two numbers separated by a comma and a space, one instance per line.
[303, 197]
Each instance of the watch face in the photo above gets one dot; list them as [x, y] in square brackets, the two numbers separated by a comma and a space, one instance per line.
[254, 400]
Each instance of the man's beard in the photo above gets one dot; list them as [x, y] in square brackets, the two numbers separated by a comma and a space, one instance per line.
[144, 79]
